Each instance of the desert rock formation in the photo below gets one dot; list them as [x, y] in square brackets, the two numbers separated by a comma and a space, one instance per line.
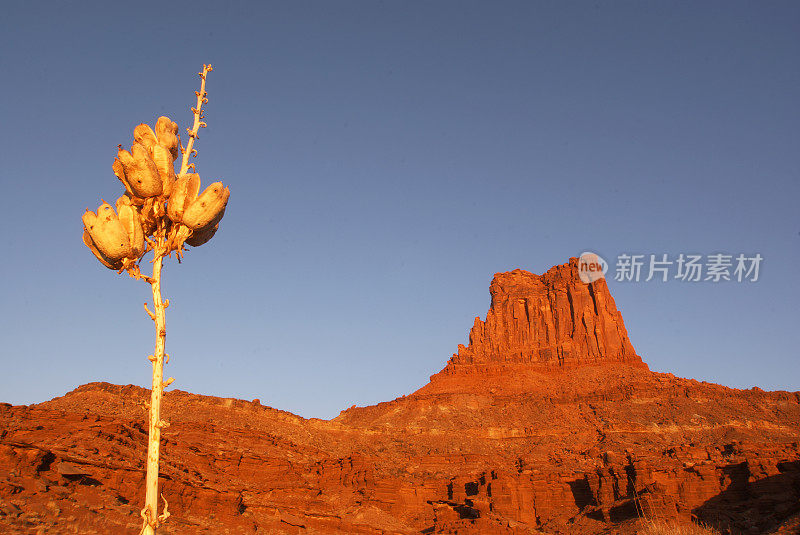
[547, 422]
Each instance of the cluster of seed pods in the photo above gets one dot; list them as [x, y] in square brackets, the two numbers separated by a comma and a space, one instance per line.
[155, 200]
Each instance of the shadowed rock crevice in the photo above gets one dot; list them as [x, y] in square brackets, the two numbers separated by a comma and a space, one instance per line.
[760, 505]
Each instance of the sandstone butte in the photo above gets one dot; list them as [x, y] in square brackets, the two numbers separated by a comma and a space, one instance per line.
[547, 422]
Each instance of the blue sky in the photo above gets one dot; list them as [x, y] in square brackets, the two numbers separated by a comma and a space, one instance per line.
[385, 159]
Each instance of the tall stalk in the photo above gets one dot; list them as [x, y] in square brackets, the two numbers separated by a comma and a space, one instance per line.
[150, 511]
[158, 212]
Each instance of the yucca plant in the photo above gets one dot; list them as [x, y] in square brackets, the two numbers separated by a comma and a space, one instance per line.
[159, 212]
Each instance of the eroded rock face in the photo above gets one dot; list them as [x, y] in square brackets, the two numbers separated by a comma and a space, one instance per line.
[538, 323]
[548, 422]
[551, 319]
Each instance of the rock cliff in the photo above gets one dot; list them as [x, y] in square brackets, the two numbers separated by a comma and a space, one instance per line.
[552, 319]
[547, 422]
[540, 322]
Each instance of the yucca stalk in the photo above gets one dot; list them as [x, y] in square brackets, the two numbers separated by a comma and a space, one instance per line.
[150, 515]
[159, 212]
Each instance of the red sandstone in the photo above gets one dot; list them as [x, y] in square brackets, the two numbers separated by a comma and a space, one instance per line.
[547, 422]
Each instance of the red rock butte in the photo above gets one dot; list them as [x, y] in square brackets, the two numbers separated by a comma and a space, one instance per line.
[539, 323]
[546, 422]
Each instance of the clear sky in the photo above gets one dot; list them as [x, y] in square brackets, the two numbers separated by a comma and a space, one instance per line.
[385, 159]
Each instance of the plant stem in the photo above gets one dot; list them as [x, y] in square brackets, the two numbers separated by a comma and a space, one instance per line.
[154, 441]
[198, 116]
[160, 249]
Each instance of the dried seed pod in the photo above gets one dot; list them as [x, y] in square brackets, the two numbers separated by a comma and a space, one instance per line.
[166, 168]
[123, 200]
[110, 264]
[145, 136]
[119, 171]
[132, 223]
[202, 235]
[208, 207]
[148, 216]
[181, 234]
[131, 200]
[141, 172]
[107, 232]
[184, 191]
[167, 133]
